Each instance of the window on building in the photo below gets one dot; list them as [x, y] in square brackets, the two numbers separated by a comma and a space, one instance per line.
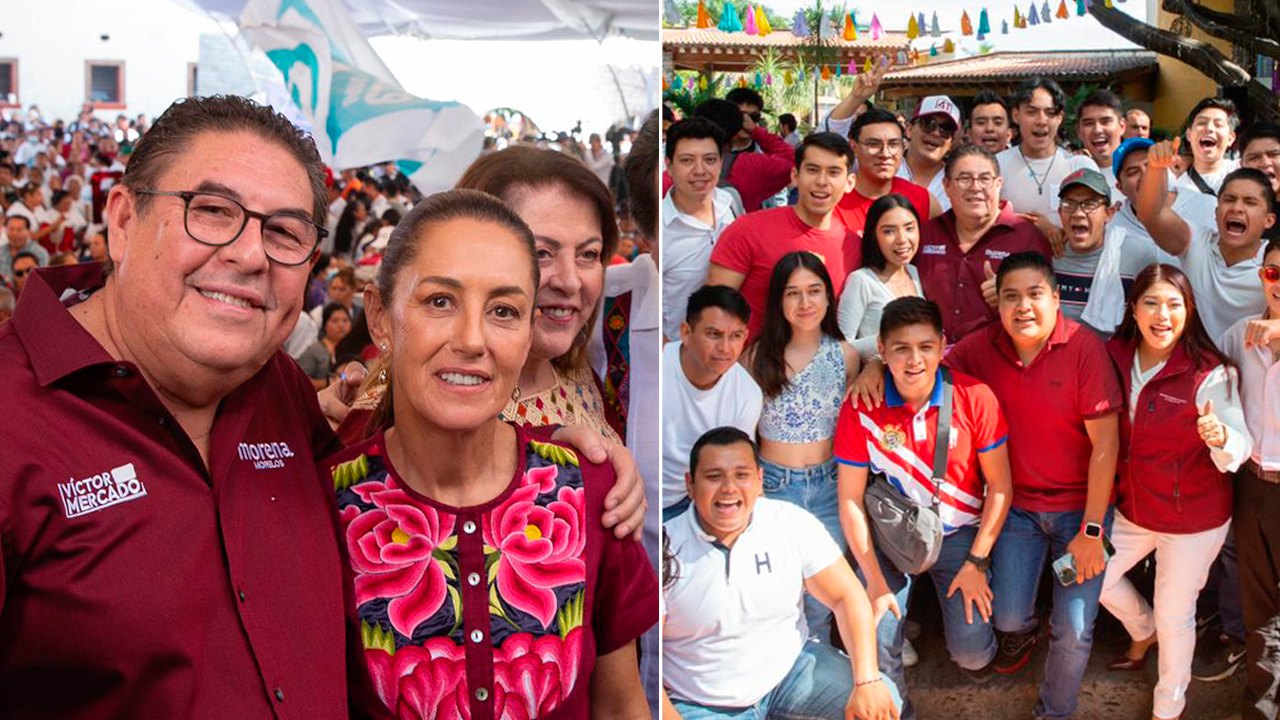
[9, 82]
[193, 80]
[104, 83]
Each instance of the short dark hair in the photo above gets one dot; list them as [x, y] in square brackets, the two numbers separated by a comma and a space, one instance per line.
[668, 114]
[744, 96]
[721, 436]
[27, 254]
[988, 97]
[1029, 260]
[723, 113]
[1101, 98]
[872, 257]
[641, 171]
[910, 310]
[827, 141]
[694, 128]
[1273, 245]
[874, 116]
[1223, 104]
[1255, 176]
[1263, 129]
[31, 187]
[25, 220]
[787, 120]
[968, 150]
[1029, 86]
[717, 296]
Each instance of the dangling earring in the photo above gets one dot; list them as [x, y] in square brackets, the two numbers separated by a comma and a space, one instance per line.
[382, 375]
[515, 394]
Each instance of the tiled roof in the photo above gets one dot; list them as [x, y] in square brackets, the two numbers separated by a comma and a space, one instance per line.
[712, 37]
[1082, 64]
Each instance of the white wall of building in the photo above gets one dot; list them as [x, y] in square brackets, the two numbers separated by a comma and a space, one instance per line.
[51, 40]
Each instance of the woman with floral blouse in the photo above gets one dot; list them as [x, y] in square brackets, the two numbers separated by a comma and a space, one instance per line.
[483, 584]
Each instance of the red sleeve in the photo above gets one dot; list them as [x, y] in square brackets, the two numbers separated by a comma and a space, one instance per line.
[734, 250]
[774, 146]
[1100, 392]
[960, 356]
[756, 176]
[989, 427]
[851, 438]
[625, 601]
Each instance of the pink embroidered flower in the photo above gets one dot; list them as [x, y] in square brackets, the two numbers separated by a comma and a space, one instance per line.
[422, 682]
[390, 547]
[542, 547]
[535, 676]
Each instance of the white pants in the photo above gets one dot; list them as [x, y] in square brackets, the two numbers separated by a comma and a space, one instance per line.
[1182, 566]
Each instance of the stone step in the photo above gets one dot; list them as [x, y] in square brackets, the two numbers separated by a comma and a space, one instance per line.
[941, 691]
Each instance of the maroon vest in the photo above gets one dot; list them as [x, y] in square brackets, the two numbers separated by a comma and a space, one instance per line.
[1168, 482]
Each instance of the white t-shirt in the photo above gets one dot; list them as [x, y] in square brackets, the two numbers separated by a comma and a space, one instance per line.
[686, 254]
[687, 412]
[862, 302]
[935, 185]
[1223, 294]
[1136, 232]
[1193, 205]
[1039, 193]
[734, 622]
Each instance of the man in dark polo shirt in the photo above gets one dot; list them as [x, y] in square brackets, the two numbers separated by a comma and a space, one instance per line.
[961, 249]
[168, 548]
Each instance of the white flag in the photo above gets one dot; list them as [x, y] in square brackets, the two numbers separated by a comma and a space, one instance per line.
[359, 114]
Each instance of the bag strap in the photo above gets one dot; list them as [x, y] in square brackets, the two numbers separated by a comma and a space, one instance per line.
[942, 439]
[1200, 183]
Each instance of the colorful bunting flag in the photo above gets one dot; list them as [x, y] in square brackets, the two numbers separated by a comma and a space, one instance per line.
[1062, 13]
[677, 83]
[877, 30]
[850, 30]
[1033, 17]
[866, 66]
[787, 79]
[935, 30]
[801, 77]
[913, 28]
[749, 26]
[933, 51]
[762, 21]
[1017, 17]
[966, 26]
[1080, 7]
[704, 20]
[702, 83]
[1004, 27]
[800, 27]
[729, 18]
[826, 72]
[948, 46]
[853, 66]
[984, 23]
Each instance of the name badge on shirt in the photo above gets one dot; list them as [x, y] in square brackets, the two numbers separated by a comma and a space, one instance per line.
[997, 254]
[933, 249]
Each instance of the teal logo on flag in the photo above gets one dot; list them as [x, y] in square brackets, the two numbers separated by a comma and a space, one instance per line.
[287, 61]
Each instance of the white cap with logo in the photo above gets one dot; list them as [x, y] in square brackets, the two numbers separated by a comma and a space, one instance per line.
[939, 105]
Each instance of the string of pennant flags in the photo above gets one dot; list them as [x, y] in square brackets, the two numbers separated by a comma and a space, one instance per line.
[754, 21]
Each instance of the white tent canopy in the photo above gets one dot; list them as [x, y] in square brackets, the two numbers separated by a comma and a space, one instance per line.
[488, 19]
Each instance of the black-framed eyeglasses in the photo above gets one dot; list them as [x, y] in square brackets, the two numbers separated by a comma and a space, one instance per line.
[217, 220]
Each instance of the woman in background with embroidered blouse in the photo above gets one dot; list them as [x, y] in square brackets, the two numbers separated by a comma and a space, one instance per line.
[483, 584]
[804, 367]
[889, 244]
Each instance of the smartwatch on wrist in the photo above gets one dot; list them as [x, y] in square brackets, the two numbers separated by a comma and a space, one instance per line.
[1092, 530]
[982, 563]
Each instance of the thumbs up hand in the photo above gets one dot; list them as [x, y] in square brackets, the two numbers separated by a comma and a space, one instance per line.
[1212, 431]
[988, 286]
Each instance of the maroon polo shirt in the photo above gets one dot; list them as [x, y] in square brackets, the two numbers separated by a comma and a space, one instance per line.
[953, 278]
[1046, 404]
[135, 582]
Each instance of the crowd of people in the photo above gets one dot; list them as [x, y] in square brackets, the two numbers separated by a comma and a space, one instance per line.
[964, 345]
[372, 455]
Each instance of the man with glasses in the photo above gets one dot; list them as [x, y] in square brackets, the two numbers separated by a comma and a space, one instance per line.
[961, 249]
[23, 264]
[169, 544]
[752, 106]
[933, 128]
[18, 231]
[1100, 260]
[877, 141]
[1034, 169]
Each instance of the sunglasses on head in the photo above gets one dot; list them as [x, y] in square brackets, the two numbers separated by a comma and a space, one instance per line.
[1270, 273]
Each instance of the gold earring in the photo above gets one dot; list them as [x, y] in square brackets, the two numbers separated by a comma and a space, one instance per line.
[515, 394]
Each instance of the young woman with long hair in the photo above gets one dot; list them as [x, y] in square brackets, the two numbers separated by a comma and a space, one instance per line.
[1183, 433]
[804, 367]
[889, 243]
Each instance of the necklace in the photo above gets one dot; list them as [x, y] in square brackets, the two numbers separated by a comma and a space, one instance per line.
[1039, 182]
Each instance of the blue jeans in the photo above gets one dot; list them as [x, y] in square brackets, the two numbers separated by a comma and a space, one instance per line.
[674, 510]
[971, 646]
[814, 489]
[818, 686]
[1230, 611]
[1028, 542]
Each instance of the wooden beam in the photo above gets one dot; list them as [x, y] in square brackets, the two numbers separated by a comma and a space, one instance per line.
[1225, 26]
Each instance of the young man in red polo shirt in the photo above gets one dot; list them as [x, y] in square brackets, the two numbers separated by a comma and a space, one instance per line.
[744, 257]
[897, 440]
[878, 143]
[961, 249]
[1061, 396]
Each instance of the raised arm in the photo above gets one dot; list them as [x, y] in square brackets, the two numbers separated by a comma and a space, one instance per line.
[865, 86]
[1170, 232]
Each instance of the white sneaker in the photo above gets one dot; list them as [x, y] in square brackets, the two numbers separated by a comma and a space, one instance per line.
[909, 655]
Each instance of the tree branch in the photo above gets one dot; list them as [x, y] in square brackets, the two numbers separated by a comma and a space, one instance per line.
[1198, 54]
[1224, 26]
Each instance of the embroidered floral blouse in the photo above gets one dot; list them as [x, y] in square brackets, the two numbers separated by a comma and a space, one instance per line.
[492, 611]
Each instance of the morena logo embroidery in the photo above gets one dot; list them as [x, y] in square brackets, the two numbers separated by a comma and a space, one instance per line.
[265, 456]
